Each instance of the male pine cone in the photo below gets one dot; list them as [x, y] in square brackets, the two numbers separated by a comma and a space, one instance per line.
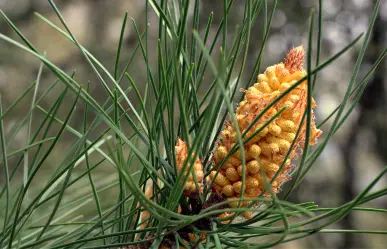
[190, 187]
[267, 150]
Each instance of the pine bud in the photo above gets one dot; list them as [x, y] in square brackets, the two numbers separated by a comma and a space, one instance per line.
[181, 157]
[266, 151]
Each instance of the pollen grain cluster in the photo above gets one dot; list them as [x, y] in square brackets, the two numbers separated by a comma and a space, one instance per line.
[265, 152]
[181, 157]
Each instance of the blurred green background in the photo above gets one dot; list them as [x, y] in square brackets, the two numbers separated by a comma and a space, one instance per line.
[348, 164]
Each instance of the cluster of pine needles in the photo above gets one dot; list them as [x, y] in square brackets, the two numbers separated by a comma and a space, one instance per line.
[217, 186]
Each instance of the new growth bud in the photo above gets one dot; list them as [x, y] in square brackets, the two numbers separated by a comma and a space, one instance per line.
[266, 151]
[181, 157]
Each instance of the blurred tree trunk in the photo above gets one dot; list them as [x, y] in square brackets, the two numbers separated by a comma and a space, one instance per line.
[371, 105]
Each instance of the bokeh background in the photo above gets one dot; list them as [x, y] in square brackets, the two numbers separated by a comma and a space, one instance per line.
[356, 154]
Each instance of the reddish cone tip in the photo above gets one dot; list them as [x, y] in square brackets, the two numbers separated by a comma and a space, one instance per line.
[295, 59]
